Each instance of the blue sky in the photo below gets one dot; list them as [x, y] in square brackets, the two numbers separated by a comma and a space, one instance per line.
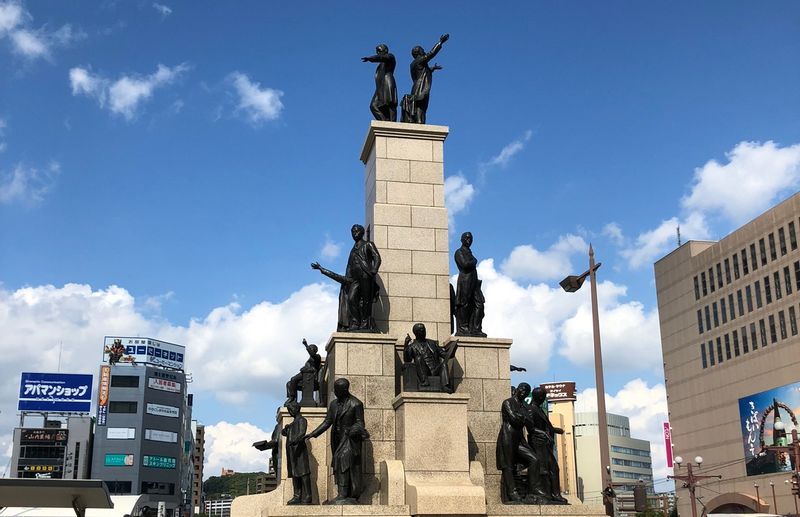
[170, 169]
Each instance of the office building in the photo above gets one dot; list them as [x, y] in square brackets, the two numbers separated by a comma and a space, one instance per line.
[630, 457]
[219, 507]
[57, 449]
[199, 433]
[728, 312]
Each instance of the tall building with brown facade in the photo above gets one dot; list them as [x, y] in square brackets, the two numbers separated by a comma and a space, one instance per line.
[729, 330]
[199, 456]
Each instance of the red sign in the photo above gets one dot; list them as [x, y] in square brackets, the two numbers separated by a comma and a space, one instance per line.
[668, 443]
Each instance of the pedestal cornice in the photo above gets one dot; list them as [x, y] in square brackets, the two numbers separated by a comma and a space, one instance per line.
[401, 130]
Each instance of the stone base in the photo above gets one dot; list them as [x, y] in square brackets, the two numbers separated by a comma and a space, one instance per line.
[558, 510]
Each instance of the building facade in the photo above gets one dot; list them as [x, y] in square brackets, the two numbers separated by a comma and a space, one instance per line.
[60, 449]
[143, 441]
[630, 457]
[199, 433]
[728, 312]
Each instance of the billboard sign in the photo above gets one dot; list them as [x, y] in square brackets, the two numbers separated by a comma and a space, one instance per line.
[55, 392]
[164, 385]
[118, 460]
[160, 436]
[120, 433]
[668, 443]
[143, 350]
[758, 414]
[159, 462]
[43, 436]
[102, 394]
[559, 391]
[161, 410]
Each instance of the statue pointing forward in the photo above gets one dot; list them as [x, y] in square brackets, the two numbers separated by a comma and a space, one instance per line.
[415, 104]
[384, 102]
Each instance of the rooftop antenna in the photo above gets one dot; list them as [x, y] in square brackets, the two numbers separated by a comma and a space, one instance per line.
[679, 235]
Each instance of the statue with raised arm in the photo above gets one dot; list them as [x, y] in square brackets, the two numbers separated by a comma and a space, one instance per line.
[430, 361]
[306, 380]
[346, 416]
[415, 104]
[384, 101]
[359, 286]
[469, 301]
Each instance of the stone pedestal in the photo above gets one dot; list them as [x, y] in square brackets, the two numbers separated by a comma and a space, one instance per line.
[431, 431]
[407, 220]
[369, 362]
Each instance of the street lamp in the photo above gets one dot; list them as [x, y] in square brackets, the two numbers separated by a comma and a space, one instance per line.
[571, 284]
[690, 479]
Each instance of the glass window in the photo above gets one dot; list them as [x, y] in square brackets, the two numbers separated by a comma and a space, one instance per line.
[787, 280]
[727, 271]
[782, 241]
[723, 311]
[740, 302]
[744, 262]
[119, 487]
[753, 337]
[763, 328]
[797, 274]
[155, 487]
[735, 334]
[773, 254]
[719, 350]
[122, 407]
[762, 250]
[749, 296]
[696, 289]
[792, 237]
[773, 332]
[727, 347]
[715, 313]
[759, 304]
[792, 321]
[767, 290]
[782, 324]
[736, 266]
[719, 275]
[711, 353]
[124, 381]
[744, 340]
[708, 318]
[711, 285]
[776, 277]
[703, 355]
[731, 307]
[754, 257]
[699, 321]
[703, 282]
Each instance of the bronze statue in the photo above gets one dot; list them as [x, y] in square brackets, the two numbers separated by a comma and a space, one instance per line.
[359, 288]
[297, 467]
[541, 438]
[469, 301]
[512, 449]
[415, 104]
[431, 362]
[272, 444]
[346, 415]
[384, 102]
[306, 380]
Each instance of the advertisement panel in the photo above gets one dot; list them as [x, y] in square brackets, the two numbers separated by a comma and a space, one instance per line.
[121, 433]
[668, 443]
[118, 460]
[55, 392]
[43, 436]
[559, 391]
[164, 385]
[160, 436]
[102, 394]
[161, 410]
[142, 350]
[159, 462]
[760, 414]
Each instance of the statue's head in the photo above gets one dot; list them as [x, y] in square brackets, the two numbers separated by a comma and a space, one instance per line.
[341, 388]
[357, 231]
[538, 395]
[293, 407]
[466, 239]
[313, 349]
[382, 49]
[523, 390]
[417, 51]
[419, 331]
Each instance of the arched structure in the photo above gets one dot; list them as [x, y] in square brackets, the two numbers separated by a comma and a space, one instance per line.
[734, 502]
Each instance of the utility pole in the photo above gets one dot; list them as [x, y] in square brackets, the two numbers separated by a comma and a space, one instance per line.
[690, 479]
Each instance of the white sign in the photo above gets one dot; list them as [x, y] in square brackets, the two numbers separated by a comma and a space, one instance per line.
[121, 433]
[145, 350]
[160, 436]
[164, 385]
[159, 410]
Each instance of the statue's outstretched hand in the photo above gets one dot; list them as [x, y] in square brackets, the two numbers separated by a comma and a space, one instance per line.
[408, 340]
[364, 59]
[315, 265]
[444, 37]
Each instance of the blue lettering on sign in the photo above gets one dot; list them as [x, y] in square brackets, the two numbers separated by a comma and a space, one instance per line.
[172, 356]
[179, 357]
[141, 350]
[130, 349]
[150, 350]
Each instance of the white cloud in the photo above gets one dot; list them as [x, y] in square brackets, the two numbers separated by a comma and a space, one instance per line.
[614, 232]
[503, 158]
[27, 185]
[458, 194]
[755, 177]
[330, 249]
[163, 10]
[230, 446]
[28, 42]
[126, 94]
[646, 407]
[259, 104]
[526, 262]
